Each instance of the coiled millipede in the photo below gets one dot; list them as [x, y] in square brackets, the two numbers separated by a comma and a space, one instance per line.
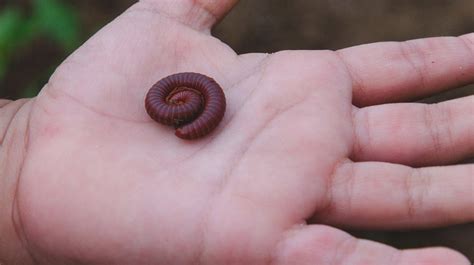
[193, 103]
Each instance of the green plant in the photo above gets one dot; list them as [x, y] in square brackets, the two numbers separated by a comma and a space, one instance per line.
[14, 31]
[50, 18]
[58, 21]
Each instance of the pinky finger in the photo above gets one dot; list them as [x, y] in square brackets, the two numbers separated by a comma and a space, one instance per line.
[322, 245]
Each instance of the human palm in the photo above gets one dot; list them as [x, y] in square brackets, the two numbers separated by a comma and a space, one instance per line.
[103, 184]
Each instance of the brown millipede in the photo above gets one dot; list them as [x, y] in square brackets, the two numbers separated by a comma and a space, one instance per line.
[194, 103]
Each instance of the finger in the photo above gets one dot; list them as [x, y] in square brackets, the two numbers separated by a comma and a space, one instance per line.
[315, 244]
[387, 196]
[415, 134]
[198, 14]
[396, 71]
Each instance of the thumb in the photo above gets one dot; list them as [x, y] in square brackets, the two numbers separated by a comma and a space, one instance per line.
[198, 14]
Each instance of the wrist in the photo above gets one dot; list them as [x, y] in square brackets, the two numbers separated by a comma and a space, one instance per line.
[14, 116]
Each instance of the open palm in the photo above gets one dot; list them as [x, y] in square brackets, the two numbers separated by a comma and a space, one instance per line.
[102, 183]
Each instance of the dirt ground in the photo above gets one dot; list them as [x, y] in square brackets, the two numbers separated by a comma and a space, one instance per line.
[272, 25]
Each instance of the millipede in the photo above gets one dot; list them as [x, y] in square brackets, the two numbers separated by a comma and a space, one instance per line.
[191, 102]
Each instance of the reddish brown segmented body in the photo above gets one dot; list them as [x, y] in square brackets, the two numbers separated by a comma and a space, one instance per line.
[193, 103]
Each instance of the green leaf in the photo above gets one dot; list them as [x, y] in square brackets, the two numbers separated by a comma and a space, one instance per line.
[13, 33]
[58, 21]
[10, 20]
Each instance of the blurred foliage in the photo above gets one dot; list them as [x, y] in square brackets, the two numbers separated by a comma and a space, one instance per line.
[13, 32]
[48, 18]
[53, 18]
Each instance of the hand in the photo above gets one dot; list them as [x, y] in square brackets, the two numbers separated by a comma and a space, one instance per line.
[100, 183]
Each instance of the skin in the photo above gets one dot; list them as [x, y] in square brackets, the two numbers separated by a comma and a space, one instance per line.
[307, 147]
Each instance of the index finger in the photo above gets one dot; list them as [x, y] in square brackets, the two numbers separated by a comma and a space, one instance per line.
[397, 71]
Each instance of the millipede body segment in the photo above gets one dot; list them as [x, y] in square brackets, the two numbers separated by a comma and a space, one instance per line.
[193, 103]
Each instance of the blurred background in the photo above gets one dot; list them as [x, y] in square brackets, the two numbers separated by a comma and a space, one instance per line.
[36, 35]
